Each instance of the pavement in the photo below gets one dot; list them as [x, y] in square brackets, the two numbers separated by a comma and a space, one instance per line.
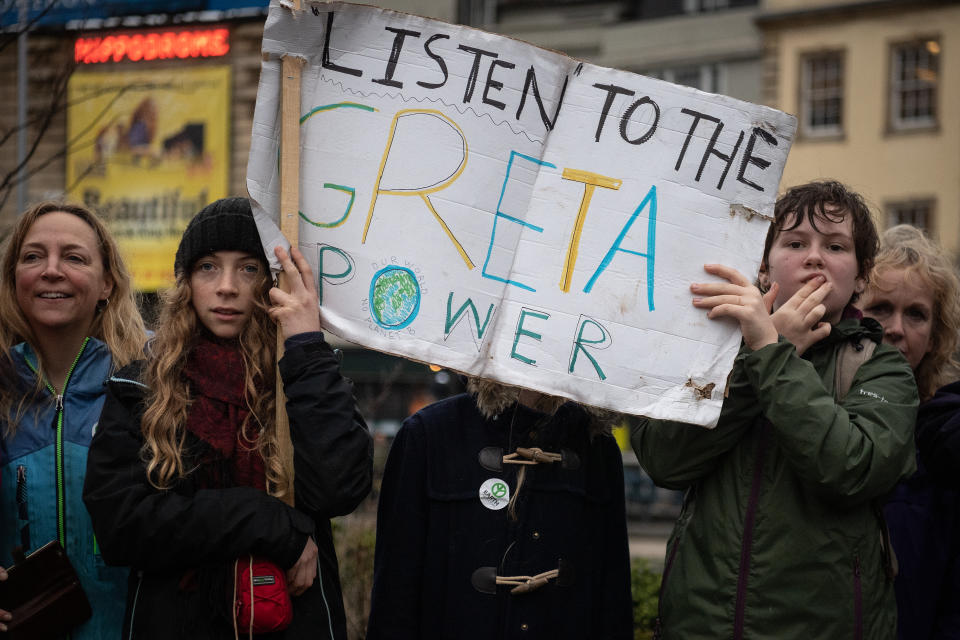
[648, 540]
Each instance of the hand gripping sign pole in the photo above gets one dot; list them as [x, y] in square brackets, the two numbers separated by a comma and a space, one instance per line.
[289, 226]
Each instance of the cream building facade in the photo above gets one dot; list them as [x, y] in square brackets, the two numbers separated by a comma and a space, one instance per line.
[875, 86]
[714, 45]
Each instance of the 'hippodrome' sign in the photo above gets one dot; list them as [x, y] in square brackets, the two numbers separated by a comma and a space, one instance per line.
[505, 211]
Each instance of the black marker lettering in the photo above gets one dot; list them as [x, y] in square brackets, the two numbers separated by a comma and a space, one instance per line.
[626, 118]
[531, 82]
[697, 116]
[749, 158]
[472, 80]
[440, 62]
[494, 84]
[612, 92]
[723, 176]
[711, 149]
[395, 56]
[325, 59]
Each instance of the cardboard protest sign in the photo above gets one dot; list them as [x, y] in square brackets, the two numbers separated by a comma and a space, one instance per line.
[506, 211]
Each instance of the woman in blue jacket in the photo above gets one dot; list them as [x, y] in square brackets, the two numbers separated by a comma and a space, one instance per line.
[915, 294]
[68, 318]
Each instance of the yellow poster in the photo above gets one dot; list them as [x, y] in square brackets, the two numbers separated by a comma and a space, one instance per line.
[147, 150]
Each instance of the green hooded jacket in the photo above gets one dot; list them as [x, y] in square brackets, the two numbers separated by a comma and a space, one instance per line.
[780, 535]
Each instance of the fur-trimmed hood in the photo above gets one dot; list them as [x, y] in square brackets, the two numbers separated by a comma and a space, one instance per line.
[493, 398]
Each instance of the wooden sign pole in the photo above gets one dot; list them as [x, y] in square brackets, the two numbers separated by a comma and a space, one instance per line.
[289, 226]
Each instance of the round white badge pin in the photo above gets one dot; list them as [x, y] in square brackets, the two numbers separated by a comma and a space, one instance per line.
[494, 494]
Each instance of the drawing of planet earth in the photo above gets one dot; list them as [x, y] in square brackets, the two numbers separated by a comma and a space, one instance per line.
[394, 297]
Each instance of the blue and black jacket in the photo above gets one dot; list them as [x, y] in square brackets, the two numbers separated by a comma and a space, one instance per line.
[42, 468]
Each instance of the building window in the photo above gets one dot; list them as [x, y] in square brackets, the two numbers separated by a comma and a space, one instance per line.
[821, 94]
[918, 213]
[914, 76]
[705, 77]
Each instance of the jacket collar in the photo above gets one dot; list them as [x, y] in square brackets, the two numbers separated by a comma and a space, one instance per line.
[93, 354]
[848, 330]
[853, 328]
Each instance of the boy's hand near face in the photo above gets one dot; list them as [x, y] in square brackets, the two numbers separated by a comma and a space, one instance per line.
[799, 318]
[738, 299]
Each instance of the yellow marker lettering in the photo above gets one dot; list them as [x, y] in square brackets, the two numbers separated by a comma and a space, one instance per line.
[422, 193]
[590, 181]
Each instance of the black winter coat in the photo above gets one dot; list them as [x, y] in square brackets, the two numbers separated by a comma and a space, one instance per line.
[923, 514]
[938, 435]
[165, 535]
[433, 533]
[924, 522]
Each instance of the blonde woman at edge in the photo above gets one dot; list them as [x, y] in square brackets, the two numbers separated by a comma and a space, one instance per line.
[915, 294]
[68, 319]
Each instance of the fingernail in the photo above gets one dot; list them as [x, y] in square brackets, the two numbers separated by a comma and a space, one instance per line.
[697, 300]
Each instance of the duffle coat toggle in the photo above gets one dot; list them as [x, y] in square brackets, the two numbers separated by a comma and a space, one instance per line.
[492, 458]
[486, 580]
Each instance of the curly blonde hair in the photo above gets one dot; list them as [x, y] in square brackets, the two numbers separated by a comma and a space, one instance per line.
[906, 248]
[168, 401]
[118, 323]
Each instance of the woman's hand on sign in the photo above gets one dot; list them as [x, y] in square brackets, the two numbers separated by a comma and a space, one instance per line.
[798, 319]
[738, 299]
[298, 310]
[301, 575]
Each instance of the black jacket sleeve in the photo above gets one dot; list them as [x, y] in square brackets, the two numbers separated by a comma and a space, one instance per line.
[141, 526]
[332, 448]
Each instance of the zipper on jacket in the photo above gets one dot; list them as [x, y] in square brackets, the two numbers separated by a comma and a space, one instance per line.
[689, 496]
[886, 546]
[323, 594]
[857, 600]
[746, 546]
[59, 471]
[658, 623]
[133, 607]
[23, 512]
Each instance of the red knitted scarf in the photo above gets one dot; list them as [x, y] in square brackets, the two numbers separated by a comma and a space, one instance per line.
[216, 373]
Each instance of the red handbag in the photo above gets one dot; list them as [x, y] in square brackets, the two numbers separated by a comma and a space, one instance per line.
[261, 601]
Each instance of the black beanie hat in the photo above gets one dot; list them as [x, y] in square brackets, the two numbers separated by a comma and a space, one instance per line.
[224, 225]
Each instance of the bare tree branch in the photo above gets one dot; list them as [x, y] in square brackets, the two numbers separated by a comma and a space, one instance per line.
[59, 104]
[11, 36]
